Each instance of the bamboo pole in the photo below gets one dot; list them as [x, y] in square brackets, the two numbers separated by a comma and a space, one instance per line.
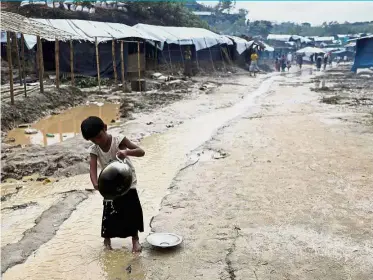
[156, 56]
[57, 58]
[114, 62]
[139, 64]
[169, 55]
[181, 53]
[212, 62]
[222, 57]
[196, 56]
[40, 59]
[72, 62]
[98, 65]
[122, 63]
[9, 54]
[15, 42]
[23, 63]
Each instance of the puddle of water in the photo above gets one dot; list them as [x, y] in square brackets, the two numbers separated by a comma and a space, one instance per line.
[76, 252]
[64, 125]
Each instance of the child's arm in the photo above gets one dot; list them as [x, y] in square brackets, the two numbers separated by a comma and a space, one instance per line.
[128, 148]
[93, 170]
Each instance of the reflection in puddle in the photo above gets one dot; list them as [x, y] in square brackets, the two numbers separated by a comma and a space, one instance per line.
[57, 128]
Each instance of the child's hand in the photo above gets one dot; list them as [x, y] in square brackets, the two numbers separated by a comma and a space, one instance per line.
[122, 154]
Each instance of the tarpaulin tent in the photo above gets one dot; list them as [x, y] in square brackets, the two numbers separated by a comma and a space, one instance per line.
[84, 47]
[364, 53]
[199, 37]
[241, 44]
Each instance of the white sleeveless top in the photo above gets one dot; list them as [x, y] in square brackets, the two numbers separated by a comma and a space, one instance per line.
[105, 158]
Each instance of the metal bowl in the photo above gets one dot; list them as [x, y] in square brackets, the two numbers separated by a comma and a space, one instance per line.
[115, 179]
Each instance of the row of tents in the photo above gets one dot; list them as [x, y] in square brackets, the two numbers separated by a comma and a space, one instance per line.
[142, 43]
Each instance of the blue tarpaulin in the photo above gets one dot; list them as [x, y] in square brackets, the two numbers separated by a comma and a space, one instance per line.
[364, 53]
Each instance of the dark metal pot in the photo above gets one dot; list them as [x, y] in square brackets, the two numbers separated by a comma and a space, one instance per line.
[115, 179]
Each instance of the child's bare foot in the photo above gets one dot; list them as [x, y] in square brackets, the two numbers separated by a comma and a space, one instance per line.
[136, 246]
[107, 244]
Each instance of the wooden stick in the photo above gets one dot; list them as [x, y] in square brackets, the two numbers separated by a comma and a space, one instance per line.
[23, 63]
[221, 54]
[9, 54]
[169, 55]
[122, 63]
[40, 56]
[181, 53]
[57, 58]
[139, 63]
[196, 56]
[72, 62]
[98, 65]
[156, 56]
[114, 63]
[15, 42]
[212, 62]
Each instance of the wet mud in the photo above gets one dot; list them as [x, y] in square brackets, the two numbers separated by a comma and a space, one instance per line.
[45, 228]
[282, 205]
[267, 196]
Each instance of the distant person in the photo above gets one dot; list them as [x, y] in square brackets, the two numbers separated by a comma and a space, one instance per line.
[277, 64]
[254, 63]
[326, 57]
[300, 60]
[318, 62]
[283, 63]
[188, 62]
[122, 217]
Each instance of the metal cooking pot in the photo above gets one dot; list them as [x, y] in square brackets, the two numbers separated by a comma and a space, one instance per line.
[115, 179]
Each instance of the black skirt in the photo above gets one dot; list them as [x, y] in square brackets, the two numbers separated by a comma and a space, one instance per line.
[122, 217]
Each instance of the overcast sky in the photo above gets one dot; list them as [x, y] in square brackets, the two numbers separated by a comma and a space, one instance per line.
[314, 12]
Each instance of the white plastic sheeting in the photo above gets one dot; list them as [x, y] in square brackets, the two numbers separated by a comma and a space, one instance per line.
[310, 51]
[241, 44]
[104, 31]
[268, 48]
[201, 38]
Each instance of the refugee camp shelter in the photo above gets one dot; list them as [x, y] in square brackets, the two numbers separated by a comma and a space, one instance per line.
[106, 35]
[204, 44]
[364, 53]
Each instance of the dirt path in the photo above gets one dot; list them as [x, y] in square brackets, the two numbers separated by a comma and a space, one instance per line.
[268, 198]
[292, 199]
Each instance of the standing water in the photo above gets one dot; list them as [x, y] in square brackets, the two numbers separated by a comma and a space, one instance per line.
[76, 251]
[57, 128]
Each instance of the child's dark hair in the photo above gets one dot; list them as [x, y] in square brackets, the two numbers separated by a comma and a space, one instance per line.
[91, 127]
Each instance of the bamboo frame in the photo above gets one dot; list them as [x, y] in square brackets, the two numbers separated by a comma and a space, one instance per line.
[57, 59]
[139, 64]
[122, 63]
[72, 63]
[196, 56]
[98, 65]
[15, 43]
[169, 55]
[23, 63]
[114, 62]
[222, 57]
[41, 68]
[181, 53]
[212, 62]
[9, 54]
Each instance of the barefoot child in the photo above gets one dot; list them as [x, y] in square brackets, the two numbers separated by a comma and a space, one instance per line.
[121, 217]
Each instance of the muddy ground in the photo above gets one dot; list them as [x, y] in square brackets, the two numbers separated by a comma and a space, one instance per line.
[290, 200]
[69, 157]
[280, 192]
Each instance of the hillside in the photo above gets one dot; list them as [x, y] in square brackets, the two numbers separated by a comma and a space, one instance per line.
[157, 13]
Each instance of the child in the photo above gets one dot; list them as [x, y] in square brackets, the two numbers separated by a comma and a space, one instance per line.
[121, 217]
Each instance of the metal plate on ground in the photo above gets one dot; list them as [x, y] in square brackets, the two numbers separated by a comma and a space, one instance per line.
[164, 239]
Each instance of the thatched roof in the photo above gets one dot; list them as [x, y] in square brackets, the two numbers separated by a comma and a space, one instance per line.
[16, 23]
